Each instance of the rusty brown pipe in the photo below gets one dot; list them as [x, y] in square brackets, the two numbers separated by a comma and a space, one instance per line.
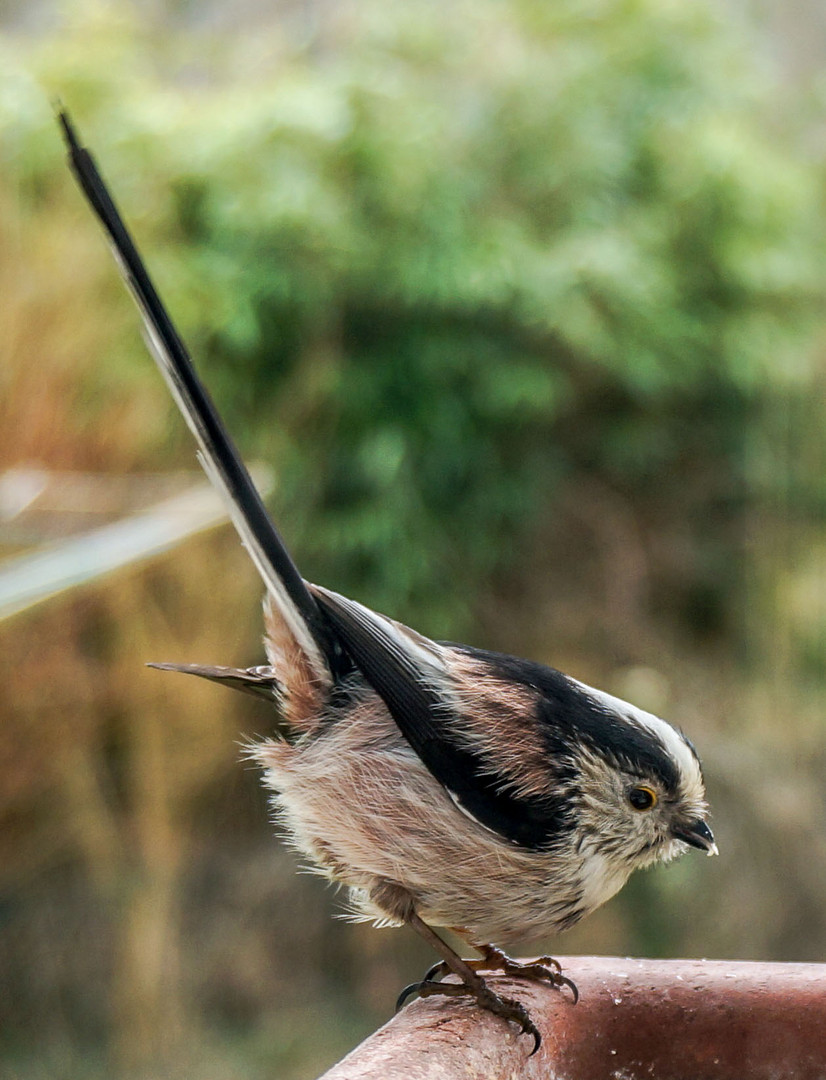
[636, 1020]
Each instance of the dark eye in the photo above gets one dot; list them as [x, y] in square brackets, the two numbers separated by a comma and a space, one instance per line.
[642, 797]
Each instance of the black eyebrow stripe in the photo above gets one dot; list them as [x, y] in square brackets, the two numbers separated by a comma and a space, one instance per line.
[568, 716]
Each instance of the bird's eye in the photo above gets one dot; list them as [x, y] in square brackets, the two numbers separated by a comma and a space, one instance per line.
[642, 797]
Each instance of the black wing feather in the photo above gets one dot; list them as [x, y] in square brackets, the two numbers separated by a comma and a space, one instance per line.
[420, 712]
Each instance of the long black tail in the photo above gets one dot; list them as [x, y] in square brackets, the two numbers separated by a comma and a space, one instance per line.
[218, 455]
[411, 674]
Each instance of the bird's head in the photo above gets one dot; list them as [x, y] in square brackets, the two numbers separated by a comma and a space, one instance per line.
[641, 789]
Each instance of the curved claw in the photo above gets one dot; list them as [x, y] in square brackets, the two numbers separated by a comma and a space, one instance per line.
[408, 991]
[440, 968]
[512, 1010]
[563, 980]
[427, 988]
[537, 1038]
[437, 970]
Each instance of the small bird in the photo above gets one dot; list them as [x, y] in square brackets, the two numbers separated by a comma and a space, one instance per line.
[442, 784]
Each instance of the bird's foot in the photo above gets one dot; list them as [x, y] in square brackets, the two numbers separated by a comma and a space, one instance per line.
[471, 983]
[542, 969]
[508, 1008]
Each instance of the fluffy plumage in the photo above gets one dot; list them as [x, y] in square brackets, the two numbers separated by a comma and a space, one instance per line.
[442, 784]
[540, 830]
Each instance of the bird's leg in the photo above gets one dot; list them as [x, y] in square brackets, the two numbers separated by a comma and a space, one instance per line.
[542, 969]
[472, 983]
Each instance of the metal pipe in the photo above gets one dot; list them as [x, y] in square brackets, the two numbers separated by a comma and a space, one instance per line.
[636, 1020]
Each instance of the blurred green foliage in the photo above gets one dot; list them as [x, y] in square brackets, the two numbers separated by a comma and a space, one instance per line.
[520, 299]
[436, 260]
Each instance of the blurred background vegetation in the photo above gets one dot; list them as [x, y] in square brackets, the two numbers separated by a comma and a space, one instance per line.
[523, 302]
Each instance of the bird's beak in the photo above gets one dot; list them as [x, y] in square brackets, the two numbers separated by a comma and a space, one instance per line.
[698, 834]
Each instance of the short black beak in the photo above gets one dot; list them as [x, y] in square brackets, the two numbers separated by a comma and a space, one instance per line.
[698, 834]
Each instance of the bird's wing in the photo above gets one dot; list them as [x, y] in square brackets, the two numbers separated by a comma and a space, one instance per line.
[412, 675]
